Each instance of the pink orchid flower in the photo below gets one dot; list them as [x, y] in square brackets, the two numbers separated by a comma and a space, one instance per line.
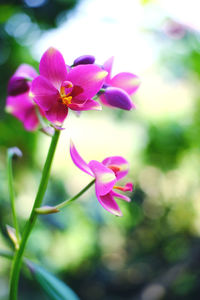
[20, 101]
[119, 88]
[59, 87]
[106, 174]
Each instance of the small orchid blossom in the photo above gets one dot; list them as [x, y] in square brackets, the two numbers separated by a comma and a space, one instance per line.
[20, 101]
[119, 88]
[106, 174]
[59, 87]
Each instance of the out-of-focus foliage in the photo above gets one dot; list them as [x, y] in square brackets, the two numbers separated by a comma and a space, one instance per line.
[166, 143]
[153, 251]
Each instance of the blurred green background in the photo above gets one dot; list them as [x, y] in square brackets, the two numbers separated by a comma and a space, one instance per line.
[153, 251]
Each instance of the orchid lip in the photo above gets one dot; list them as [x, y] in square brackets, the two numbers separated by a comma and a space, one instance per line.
[65, 91]
[114, 168]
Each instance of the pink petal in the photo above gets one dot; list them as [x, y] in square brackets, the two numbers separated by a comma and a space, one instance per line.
[78, 161]
[108, 202]
[31, 121]
[77, 90]
[44, 93]
[119, 162]
[52, 67]
[126, 81]
[19, 105]
[23, 108]
[87, 105]
[104, 101]
[107, 66]
[89, 78]
[57, 113]
[26, 71]
[123, 197]
[105, 178]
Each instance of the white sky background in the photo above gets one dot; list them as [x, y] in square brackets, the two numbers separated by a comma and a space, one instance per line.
[112, 27]
[103, 28]
[184, 11]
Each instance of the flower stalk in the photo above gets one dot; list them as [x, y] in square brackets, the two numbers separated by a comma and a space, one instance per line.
[68, 201]
[17, 261]
[54, 209]
[12, 152]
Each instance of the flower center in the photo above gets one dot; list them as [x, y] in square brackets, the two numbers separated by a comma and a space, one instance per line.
[65, 91]
[67, 100]
[114, 168]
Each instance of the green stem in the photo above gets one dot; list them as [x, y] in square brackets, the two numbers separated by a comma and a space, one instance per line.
[17, 261]
[11, 190]
[65, 203]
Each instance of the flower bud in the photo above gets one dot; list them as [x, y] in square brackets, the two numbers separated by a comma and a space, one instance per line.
[17, 86]
[84, 60]
[117, 97]
[46, 210]
[14, 152]
[12, 235]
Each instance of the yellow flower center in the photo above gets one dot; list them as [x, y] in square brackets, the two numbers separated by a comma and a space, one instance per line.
[65, 96]
[67, 100]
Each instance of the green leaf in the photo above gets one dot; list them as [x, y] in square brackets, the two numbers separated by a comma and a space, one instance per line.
[52, 286]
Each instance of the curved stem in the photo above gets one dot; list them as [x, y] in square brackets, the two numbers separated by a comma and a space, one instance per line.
[65, 203]
[17, 262]
[11, 189]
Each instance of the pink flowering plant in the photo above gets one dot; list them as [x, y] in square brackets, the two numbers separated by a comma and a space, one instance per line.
[106, 174]
[43, 101]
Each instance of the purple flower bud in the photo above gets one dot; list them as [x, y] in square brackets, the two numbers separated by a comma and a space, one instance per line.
[117, 97]
[17, 86]
[84, 60]
[14, 152]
